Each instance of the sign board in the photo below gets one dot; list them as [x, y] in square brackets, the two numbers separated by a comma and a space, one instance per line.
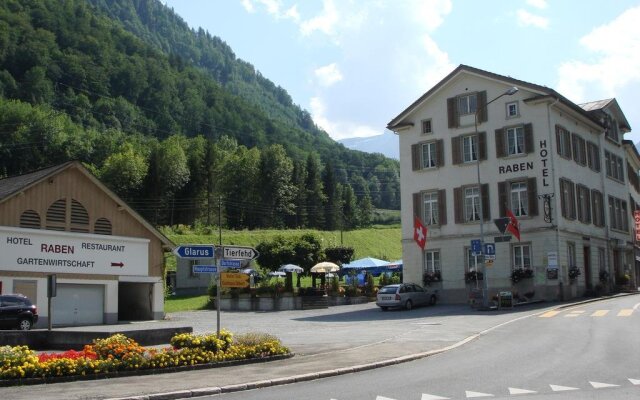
[204, 269]
[39, 250]
[490, 249]
[236, 264]
[239, 253]
[499, 239]
[234, 280]
[476, 247]
[636, 218]
[488, 262]
[501, 223]
[552, 260]
[195, 251]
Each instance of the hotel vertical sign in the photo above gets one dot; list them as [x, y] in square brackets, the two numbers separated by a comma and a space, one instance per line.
[636, 218]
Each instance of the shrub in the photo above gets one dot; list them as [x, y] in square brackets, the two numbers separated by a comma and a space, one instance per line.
[115, 346]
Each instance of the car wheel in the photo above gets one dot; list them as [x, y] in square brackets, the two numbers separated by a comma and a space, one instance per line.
[384, 308]
[24, 324]
[408, 305]
[433, 300]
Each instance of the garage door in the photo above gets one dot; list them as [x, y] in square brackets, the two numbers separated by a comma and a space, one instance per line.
[78, 305]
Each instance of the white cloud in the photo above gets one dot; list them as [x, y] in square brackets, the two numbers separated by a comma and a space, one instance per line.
[328, 75]
[248, 5]
[430, 14]
[525, 18]
[440, 65]
[340, 129]
[541, 4]
[273, 7]
[325, 22]
[615, 49]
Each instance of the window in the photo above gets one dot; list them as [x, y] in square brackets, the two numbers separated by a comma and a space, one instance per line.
[613, 166]
[563, 140]
[519, 199]
[426, 126]
[611, 128]
[633, 177]
[618, 214]
[512, 109]
[432, 261]
[579, 149]
[79, 217]
[429, 155]
[467, 104]
[471, 204]
[515, 141]
[469, 148]
[102, 226]
[593, 156]
[30, 219]
[430, 207]
[568, 199]
[472, 261]
[571, 254]
[521, 256]
[584, 204]
[597, 207]
[57, 215]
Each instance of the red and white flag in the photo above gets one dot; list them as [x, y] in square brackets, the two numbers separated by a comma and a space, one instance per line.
[513, 226]
[419, 232]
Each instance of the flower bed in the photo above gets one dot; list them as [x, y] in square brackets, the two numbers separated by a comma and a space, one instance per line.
[119, 353]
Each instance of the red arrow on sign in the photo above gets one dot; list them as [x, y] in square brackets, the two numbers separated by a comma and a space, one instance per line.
[117, 264]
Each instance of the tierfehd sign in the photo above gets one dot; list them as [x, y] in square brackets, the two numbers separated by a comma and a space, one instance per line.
[239, 253]
[39, 250]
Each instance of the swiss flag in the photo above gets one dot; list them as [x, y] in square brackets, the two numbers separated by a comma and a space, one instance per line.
[419, 232]
[514, 225]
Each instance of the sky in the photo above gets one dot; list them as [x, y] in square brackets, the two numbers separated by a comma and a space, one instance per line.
[356, 64]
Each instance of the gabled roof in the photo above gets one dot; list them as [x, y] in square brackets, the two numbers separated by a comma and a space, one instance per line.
[613, 107]
[543, 91]
[12, 186]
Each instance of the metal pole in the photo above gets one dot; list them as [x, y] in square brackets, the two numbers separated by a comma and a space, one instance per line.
[218, 258]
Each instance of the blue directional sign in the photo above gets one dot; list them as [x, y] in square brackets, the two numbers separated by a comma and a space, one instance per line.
[230, 263]
[490, 249]
[205, 269]
[476, 247]
[195, 251]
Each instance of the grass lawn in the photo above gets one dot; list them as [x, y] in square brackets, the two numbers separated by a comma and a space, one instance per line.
[186, 303]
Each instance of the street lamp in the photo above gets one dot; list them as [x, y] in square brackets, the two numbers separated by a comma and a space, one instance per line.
[485, 285]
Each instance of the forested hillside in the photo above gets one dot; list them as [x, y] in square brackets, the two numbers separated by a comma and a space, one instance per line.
[171, 120]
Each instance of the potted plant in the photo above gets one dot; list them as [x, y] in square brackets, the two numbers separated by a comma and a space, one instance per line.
[430, 277]
[574, 273]
[473, 276]
[519, 274]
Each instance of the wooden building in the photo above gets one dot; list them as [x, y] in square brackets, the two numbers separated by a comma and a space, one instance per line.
[108, 260]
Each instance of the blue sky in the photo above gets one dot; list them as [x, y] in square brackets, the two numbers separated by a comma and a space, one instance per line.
[356, 64]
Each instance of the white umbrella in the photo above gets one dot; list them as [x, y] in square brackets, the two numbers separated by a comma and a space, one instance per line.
[290, 268]
[325, 267]
[277, 273]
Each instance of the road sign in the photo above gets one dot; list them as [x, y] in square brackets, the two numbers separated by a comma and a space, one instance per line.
[476, 247]
[195, 251]
[205, 269]
[499, 239]
[489, 249]
[234, 279]
[230, 263]
[239, 253]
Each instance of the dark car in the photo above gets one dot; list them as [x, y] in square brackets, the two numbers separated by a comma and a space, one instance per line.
[406, 295]
[17, 312]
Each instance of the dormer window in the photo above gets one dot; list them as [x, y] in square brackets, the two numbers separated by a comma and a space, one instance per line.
[611, 128]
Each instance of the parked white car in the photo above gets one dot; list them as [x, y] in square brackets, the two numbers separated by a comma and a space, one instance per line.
[406, 295]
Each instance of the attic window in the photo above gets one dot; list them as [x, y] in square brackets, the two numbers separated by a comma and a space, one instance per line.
[102, 227]
[30, 219]
[79, 217]
[57, 215]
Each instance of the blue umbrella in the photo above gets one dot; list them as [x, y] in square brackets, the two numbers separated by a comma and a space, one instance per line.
[290, 268]
[366, 263]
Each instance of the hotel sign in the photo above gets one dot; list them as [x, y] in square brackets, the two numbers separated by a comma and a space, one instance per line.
[38, 250]
[636, 218]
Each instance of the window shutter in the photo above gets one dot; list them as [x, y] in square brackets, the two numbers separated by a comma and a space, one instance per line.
[486, 209]
[457, 205]
[456, 150]
[415, 157]
[481, 104]
[558, 147]
[572, 199]
[482, 145]
[452, 112]
[528, 138]
[440, 153]
[500, 150]
[567, 139]
[563, 199]
[503, 198]
[417, 205]
[442, 207]
[576, 148]
[532, 192]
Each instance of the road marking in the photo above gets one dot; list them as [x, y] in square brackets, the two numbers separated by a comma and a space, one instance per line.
[520, 391]
[432, 397]
[600, 385]
[636, 306]
[550, 314]
[634, 381]
[575, 313]
[557, 388]
[600, 313]
[384, 398]
[476, 394]
[626, 312]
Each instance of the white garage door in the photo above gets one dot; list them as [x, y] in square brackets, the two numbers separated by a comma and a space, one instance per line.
[78, 305]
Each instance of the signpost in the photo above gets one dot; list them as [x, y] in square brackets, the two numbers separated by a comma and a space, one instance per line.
[204, 269]
[239, 253]
[195, 251]
[235, 264]
[234, 280]
[476, 247]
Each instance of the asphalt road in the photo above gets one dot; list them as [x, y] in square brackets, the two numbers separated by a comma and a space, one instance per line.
[590, 351]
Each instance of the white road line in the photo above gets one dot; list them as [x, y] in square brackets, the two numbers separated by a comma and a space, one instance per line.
[520, 391]
[625, 312]
[432, 397]
[476, 394]
[557, 388]
[383, 398]
[600, 313]
[636, 306]
[634, 381]
[600, 385]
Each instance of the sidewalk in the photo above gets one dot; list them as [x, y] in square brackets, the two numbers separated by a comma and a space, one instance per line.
[326, 342]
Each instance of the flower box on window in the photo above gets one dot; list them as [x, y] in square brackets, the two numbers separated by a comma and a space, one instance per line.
[574, 272]
[430, 277]
[473, 276]
[519, 274]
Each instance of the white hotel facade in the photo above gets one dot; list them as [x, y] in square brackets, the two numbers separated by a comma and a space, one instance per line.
[563, 169]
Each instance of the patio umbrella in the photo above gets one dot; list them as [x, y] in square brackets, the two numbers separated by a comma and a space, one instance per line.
[250, 271]
[277, 273]
[325, 267]
[366, 263]
[290, 268]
